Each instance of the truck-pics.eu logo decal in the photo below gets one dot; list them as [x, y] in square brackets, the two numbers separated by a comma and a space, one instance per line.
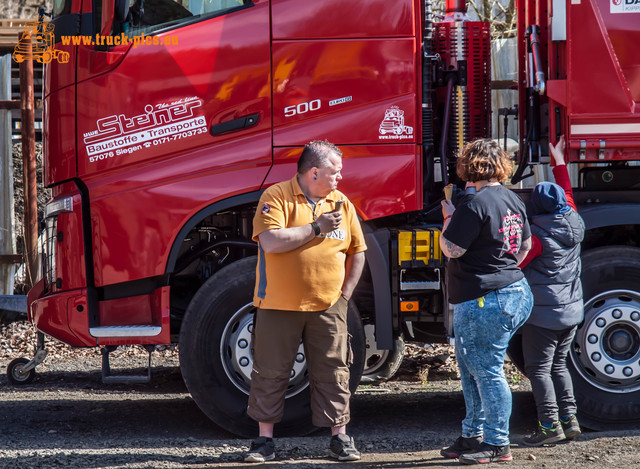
[392, 126]
[159, 124]
[41, 48]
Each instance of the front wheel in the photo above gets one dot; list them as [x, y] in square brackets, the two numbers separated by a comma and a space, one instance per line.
[380, 365]
[215, 357]
[605, 354]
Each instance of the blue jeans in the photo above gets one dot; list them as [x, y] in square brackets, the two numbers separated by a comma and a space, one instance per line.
[481, 339]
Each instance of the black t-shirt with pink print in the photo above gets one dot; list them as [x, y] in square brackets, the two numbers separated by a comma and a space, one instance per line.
[491, 225]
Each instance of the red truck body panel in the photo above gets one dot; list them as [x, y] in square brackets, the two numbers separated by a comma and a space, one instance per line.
[59, 128]
[594, 76]
[392, 172]
[292, 19]
[165, 174]
[353, 83]
[137, 215]
[70, 324]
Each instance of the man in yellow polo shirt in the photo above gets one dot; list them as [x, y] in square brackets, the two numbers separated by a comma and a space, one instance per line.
[311, 255]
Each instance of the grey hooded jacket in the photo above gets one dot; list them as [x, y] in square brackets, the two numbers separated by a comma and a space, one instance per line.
[554, 276]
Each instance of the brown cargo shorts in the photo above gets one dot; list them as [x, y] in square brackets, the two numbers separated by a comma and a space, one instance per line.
[276, 338]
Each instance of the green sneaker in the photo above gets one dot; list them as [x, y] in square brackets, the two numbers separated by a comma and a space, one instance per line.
[571, 427]
[545, 435]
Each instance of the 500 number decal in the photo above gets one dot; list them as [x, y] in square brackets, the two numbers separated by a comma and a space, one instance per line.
[302, 108]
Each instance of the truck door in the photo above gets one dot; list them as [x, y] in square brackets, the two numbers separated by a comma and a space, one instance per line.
[163, 118]
[59, 94]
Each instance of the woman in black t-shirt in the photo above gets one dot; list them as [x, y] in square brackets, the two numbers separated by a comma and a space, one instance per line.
[486, 237]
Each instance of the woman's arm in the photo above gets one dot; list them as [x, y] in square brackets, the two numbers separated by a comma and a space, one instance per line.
[535, 251]
[562, 179]
[524, 250]
[560, 172]
[448, 248]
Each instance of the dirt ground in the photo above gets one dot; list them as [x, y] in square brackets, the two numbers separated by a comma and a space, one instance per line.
[68, 418]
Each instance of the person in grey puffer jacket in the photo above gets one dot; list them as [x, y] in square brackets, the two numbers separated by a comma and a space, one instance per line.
[553, 271]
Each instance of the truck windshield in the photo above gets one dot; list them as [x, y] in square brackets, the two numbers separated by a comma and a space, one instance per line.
[161, 14]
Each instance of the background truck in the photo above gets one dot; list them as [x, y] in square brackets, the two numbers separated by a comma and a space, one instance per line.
[157, 156]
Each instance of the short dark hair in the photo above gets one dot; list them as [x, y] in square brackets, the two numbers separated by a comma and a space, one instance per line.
[316, 154]
[484, 159]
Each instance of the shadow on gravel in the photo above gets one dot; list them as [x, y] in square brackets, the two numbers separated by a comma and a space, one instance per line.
[72, 419]
[141, 459]
[164, 380]
[49, 417]
[435, 410]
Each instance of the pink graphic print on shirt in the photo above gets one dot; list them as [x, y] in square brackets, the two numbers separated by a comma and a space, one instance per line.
[512, 232]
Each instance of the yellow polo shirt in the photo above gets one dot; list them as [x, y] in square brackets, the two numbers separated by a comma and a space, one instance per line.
[310, 277]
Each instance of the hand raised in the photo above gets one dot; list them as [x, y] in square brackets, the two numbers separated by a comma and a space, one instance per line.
[447, 208]
[557, 151]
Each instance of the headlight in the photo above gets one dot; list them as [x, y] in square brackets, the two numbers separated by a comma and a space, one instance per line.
[49, 238]
[49, 252]
[58, 206]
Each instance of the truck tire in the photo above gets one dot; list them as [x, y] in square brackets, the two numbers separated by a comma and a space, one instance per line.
[605, 355]
[380, 365]
[215, 358]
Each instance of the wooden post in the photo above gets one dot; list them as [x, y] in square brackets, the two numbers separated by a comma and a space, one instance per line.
[29, 167]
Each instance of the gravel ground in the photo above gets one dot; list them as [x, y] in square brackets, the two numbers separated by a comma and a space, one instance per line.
[68, 418]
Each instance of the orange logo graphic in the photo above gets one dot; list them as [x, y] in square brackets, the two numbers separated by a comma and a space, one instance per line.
[42, 43]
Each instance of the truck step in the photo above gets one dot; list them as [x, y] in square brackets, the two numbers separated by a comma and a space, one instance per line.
[108, 378]
[419, 279]
[404, 286]
[125, 331]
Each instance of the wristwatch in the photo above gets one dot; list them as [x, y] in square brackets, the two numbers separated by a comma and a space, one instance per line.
[316, 227]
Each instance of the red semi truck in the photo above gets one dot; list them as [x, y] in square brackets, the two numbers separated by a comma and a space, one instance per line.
[157, 156]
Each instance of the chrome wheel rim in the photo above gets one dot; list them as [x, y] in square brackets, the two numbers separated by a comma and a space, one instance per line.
[374, 359]
[237, 360]
[606, 348]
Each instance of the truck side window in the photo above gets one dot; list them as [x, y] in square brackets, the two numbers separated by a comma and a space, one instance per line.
[61, 7]
[162, 14]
